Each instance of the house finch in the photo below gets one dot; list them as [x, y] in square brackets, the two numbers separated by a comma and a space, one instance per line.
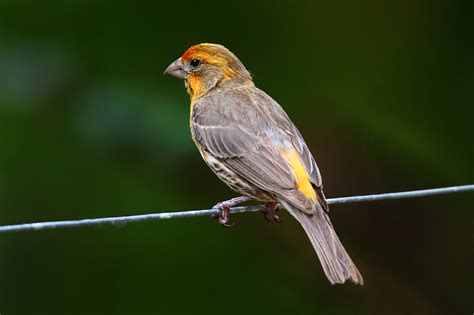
[250, 143]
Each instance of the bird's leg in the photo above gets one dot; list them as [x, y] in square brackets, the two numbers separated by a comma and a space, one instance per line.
[224, 206]
[270, 213]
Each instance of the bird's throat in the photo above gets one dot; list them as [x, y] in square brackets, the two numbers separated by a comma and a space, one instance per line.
[195, 87]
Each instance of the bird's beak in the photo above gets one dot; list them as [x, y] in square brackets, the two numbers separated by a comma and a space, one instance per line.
[176, 69]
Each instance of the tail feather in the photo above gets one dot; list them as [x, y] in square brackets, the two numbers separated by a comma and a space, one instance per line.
[336, 263]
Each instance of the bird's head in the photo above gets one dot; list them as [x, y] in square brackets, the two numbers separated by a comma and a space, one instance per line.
[206, 66]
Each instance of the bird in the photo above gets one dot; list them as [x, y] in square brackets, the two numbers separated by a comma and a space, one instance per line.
[250, 143]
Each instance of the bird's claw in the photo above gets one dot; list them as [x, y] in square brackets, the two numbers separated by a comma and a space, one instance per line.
[223, 215]
[272, 218]
[270, 214]
[224, 207]
[225, 222]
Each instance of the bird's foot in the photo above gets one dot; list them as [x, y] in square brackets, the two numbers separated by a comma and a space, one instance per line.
[224, 207]
[270, 214]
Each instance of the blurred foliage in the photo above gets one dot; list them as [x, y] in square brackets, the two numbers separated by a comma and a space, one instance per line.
[382, 91]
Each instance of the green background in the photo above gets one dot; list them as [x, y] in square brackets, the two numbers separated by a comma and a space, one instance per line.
[383, 92]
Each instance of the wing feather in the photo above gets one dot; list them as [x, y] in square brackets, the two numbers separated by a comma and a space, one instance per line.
[246, 131]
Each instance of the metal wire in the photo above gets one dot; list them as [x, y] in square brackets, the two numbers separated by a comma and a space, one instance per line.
[120, 221]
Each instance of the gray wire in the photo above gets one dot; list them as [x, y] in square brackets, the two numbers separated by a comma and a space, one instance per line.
[120, 221]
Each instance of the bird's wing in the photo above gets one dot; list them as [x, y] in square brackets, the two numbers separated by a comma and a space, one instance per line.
[309, 164]
[303, 151]
[250, 133]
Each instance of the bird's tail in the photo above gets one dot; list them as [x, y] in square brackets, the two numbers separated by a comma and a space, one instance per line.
[337, 264]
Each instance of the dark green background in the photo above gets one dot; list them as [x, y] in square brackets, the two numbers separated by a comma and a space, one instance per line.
[383, 92]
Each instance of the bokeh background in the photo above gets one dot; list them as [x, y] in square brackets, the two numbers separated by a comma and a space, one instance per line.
[89, 127]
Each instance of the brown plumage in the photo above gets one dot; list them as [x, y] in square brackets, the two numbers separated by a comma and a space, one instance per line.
[251, 144]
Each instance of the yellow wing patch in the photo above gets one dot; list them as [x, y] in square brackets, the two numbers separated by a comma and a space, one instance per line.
[302, 181]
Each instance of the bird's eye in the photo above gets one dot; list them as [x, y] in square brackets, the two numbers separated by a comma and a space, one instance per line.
[195, 63]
